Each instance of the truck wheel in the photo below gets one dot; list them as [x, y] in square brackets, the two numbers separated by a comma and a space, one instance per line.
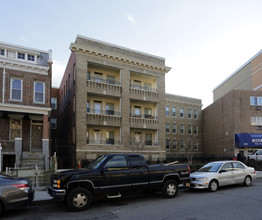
[247, 181]
[170, 189]
[79, 199]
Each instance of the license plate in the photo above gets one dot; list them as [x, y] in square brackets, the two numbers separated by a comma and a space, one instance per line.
[187, 184]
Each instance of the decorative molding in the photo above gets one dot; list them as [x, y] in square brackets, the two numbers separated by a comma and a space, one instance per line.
[24, 109]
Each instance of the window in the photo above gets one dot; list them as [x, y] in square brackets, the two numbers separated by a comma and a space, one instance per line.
[118, 161]
[97, 137]
[15, 128]
[167, 110]
[110, 137]
[256, 120]
[98, 77]
[53, 123]
[189, 129]
[54, 103]
[98, 109]
[87, 106]
[167, 128]
[137, 111]
[174, 144]
[87, 136]
[21, 56]
[182, 144]
[195, 145]
[39, 92]
[167, 144]
[2, 52]
[195, 114]
[174, 127]
[136, 162]
[181, 112]
[110, 79]
[137, 84]
[189, 113]
[148, 137]
[255, 100]
[148, 112]
[110, 109]
[189, 144]
[30, 57]
[173, 111]
[147, 86]
[195, 129]
[182, 129]
[16, 89]
[238, 165]
[88, 76]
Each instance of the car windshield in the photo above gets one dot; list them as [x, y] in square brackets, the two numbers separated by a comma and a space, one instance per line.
[96, 163]
[210, 167]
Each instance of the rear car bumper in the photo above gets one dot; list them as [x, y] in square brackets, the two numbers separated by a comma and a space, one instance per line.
[56, 193]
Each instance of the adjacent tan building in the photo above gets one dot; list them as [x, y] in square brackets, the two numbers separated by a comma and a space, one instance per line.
[233, 123]
[112, 99]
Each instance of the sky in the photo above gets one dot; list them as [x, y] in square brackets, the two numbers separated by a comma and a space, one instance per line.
[203, 41]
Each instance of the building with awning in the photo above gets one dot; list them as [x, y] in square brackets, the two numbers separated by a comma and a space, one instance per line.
[245, 140]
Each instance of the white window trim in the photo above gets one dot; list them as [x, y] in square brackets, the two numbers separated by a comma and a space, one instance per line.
[35, 102]
[54, 103]
[11, 89]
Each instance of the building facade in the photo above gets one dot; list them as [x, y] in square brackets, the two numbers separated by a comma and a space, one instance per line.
[112, 99]
[25, 84]
[233, 123]
[183, 127]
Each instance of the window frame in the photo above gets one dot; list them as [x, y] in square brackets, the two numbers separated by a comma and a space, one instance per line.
[43, 92]
[53, 103]
[11, 90]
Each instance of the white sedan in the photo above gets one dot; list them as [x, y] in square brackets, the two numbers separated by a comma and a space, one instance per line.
[221, 173]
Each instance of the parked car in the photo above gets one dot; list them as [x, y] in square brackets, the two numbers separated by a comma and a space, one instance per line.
[14, 192]
[115, 175]
[256, 155]
[221, 173]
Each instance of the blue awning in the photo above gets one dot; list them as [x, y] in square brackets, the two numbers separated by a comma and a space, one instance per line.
[248, 140]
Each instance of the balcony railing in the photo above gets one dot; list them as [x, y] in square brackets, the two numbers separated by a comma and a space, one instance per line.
[145, 88]
[7, 146]
[144, 116]
[95, 79]
[107, 141]
[100, 112]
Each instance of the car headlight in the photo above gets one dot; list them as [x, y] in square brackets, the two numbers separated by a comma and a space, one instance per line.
[202, 179]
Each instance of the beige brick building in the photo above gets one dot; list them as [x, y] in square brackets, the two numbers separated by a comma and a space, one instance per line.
[112, 99]
[25, 85]
[233, 123]
[183, 127]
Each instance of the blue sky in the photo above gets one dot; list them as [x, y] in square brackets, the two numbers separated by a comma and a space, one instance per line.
[204, 41]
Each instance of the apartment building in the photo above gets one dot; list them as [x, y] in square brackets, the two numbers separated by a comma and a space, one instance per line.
[25, 84]
[233, 123]
[183, 127]
[112, 99]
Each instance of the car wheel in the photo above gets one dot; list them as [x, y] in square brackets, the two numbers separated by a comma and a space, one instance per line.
[170, 189]
[247, 181]
[213, 186]
[79, 199]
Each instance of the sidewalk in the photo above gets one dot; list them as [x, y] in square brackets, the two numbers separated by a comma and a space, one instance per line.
[42, 195]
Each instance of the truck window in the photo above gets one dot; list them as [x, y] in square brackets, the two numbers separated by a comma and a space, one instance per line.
[136, 162]
[117, 161]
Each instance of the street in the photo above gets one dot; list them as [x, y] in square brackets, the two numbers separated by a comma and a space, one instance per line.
[233, 202]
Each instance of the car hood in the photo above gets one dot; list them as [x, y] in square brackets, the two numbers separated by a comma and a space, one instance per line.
[202, 174]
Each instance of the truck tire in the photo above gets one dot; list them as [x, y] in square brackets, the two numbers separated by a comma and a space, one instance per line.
[79, 199]
[170, 189]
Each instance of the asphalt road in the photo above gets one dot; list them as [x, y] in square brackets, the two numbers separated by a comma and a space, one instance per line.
[233, 202]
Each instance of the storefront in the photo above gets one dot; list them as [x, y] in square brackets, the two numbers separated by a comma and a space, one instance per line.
[246, 143]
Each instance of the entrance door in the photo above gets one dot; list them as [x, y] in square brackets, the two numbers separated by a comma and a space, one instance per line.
[37, 136]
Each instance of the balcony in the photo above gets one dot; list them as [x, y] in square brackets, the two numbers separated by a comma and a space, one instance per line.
[101, 86]
[144, 121]
[107, 141]
[143, 92]
[108, 117]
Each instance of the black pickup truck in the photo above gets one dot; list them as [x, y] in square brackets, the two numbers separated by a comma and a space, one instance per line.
[115, 175]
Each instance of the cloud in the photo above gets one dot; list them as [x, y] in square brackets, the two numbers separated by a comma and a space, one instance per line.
[130, 18]
[58, 70]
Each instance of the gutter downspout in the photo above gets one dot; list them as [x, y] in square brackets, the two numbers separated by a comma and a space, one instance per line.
[3, 97]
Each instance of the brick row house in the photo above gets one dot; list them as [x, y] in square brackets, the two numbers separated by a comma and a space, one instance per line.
[25, 85]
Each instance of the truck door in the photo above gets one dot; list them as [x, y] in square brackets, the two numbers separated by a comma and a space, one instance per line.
[138, 172]
[116, 175]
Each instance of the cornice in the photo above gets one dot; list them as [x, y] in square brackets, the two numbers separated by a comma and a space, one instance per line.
[117, 57]
[27, 67]
[24, 109]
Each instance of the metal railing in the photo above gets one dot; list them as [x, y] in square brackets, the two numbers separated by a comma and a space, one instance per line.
[102, 112]
[108, 141]
[99, 80]
[7, 146]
